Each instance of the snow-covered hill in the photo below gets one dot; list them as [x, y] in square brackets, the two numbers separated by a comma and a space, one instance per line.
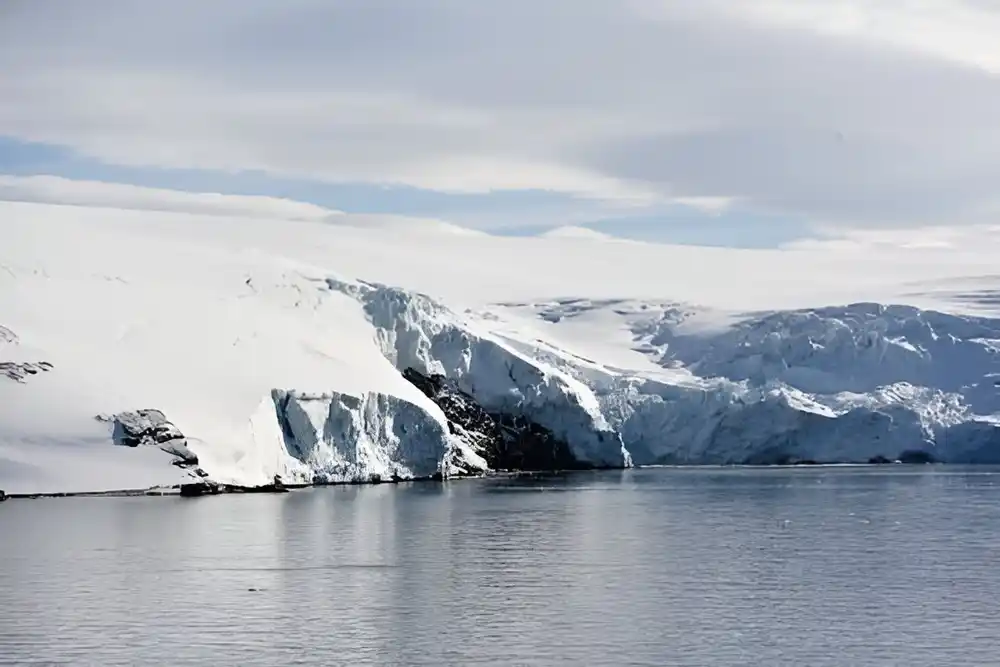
[342, 349]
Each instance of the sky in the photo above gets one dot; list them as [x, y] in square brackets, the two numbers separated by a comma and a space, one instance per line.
[726, 122]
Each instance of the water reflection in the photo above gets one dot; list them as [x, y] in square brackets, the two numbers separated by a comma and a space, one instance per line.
[655, 567]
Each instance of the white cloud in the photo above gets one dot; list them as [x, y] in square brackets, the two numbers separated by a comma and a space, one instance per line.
[117, 196]
[835, 111]
[962, 31]
[55, 190]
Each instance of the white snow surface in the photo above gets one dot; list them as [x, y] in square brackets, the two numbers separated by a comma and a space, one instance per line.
[277, 347]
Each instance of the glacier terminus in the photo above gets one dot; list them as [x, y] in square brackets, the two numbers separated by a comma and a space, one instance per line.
[142, 349]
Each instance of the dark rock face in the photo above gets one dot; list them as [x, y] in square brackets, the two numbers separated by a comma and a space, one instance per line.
[916, 456]
[184, 457]
[507, 442]
[200, 489]
[3, 496]
[151, 427]
[878, 460]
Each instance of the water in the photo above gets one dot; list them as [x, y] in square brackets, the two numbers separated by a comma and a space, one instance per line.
[887, 566]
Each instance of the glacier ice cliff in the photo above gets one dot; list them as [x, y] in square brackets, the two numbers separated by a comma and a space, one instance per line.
[243, 348]
[418, 334]
[840, 384]
[336, 437]
[837, 384]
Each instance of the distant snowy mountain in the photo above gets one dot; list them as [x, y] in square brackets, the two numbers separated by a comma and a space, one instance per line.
[577, 233]
[353, 349]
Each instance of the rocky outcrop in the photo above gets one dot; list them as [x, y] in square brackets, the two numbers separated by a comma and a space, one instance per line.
[149, 427]
[18, 371]
[203, 488]
[507, 442]
[917, 457]
[3, 496]
[413, 331]
[21, 371]
[209, 488]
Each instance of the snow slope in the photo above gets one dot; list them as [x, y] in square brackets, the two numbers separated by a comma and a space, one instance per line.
[278, 347]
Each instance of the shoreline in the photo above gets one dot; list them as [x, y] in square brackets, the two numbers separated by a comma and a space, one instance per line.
[213, 489]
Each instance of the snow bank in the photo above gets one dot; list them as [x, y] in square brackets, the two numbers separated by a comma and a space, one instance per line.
[242, 348]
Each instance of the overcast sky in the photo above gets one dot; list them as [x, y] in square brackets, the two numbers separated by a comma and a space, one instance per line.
[787, 114]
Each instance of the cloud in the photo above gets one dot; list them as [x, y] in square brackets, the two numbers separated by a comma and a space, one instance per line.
[839, 112]
[62, 191]
[68, 192]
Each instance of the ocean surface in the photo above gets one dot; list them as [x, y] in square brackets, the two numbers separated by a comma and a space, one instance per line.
[892, 565]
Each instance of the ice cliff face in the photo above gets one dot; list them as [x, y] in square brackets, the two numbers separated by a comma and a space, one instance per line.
[839, 384]
[416, 333]
[844, 384]
[834, 384]
[230, 342]
[337, 437]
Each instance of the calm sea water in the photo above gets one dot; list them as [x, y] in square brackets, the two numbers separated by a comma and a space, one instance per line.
[832, 566]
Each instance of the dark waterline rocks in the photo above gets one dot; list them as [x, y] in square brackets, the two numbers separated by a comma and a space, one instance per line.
[917, 456]
[207, 487]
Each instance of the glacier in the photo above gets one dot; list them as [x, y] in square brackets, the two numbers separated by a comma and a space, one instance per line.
[153, 348]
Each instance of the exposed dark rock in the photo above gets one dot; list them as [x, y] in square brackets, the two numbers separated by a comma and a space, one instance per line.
[916, 456]
[263, 488]
[878, 460]
[150, 427]
[20, 371]
[144, 427]
[200, 489]
[276, 486]
[506, 441]
[179, 449]
[776, 456]
[3, 496]
[208, 488]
